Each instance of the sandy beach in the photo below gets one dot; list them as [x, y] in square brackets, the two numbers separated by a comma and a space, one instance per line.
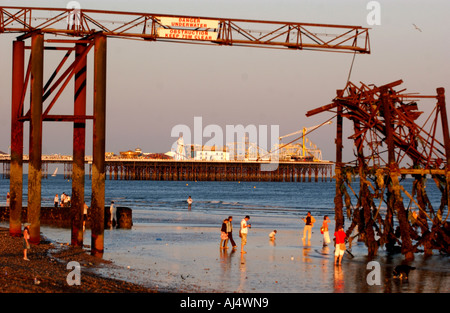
[163, 259]
[174, 264]
[183, 257]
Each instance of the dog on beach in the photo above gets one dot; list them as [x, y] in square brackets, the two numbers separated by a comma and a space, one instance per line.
[402, 271]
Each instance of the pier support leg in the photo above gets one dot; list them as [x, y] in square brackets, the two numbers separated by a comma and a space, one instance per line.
[35, 150]
[338, 204]
[16, 169]
[445, 131]
[407, 247]
[98, 163]
[79, 139]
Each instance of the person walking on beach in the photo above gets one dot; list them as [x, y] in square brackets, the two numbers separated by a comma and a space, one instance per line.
[26, 244]
[63, 199]
[244, 231]
[56, 201]
[112, 212]
[324, 230]
[85, 212]
[309, 223]
[230, 232]
[340, 245]
[224, 235]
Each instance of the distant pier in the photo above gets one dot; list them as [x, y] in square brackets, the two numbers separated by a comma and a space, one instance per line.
[175, 170]
[217, 171]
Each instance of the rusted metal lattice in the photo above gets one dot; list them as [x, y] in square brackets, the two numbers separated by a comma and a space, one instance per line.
[392, 139]
[81, 30]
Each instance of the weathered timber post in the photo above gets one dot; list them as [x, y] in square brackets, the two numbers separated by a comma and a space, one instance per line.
[338, 203]
[407, 248]
[79, 139]
[365, 197]
[98, 162]
[421, 220]
[16, 168]
[446, 135]
[35, 149]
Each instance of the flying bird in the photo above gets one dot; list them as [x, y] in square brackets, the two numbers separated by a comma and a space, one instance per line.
[415, 26]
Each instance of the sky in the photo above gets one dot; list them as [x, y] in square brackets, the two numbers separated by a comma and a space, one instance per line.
[154, 86]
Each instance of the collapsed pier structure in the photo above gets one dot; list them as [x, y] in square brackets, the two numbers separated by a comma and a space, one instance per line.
[392, 140]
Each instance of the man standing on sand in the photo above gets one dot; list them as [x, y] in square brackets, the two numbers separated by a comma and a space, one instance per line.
[56, 200]
[243, 232]
[309, 223]
[112, 210]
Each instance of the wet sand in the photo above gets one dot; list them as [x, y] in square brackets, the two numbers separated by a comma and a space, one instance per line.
[188, 259]
[185, 258]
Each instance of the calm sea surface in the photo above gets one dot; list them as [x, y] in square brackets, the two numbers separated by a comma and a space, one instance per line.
[277, 199]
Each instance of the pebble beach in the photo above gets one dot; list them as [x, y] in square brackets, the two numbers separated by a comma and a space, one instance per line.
[46, 272]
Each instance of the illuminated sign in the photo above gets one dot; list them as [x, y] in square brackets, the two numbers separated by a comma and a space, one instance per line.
[186, 34]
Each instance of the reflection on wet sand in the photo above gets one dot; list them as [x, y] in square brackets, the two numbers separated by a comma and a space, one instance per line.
[243, 274]
[306, 257]
[338, 279]
[285, 267]
[225, 261]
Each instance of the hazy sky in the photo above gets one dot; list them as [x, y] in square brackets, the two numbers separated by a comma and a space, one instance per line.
[154, 86]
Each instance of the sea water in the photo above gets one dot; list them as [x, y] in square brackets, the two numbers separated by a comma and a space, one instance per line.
[175, 247]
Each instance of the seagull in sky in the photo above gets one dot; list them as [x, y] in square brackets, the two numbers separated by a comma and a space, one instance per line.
[417, 27]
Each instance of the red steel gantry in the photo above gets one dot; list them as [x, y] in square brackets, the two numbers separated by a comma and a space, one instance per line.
[78, 31]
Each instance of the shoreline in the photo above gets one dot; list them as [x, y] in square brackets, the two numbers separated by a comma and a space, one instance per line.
[46, 271]
[180, 259]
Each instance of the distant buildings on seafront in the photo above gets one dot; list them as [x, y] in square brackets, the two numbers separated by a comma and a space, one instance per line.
[194, 152]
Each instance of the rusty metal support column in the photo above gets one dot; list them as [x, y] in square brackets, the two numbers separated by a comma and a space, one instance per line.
[35, 150]
[407, 248]
[16, 169]
[446, 135]
[79, 139]
[338, 204]
[98, 162]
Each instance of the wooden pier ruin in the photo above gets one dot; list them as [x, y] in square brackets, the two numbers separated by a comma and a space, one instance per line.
[389, 143]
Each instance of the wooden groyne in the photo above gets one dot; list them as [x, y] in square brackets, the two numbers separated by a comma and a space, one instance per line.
[62, 217]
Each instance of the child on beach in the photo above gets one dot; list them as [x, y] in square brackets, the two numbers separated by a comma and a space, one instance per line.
[324, 231]
[272, 235]
[26, 244]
